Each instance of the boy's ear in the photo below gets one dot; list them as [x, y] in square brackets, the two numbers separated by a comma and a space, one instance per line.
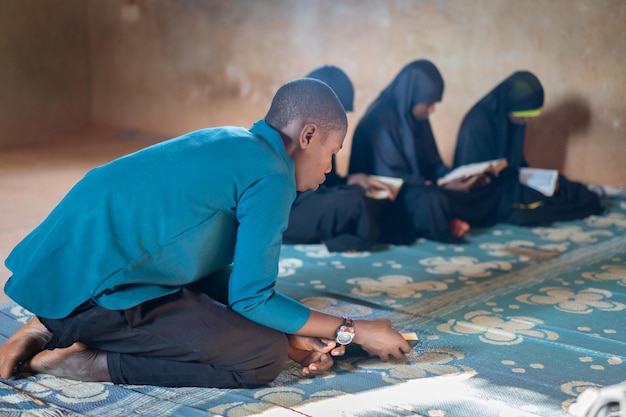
[306, 134]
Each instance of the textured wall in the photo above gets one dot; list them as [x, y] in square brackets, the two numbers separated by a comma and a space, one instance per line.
[174, 65]
[44, 73]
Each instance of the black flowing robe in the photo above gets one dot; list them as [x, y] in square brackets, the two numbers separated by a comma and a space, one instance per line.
[390, 141]
[487, 133]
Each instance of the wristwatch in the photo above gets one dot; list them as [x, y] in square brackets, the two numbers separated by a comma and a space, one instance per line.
[345, 332]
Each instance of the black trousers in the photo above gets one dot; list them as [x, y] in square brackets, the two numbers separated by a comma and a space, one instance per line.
[341, 217]
[183, 339]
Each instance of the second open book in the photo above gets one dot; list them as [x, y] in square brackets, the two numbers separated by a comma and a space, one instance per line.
[393, 182]
[477, 168]
[542, 180]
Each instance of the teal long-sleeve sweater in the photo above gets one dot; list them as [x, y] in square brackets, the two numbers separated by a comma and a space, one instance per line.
[146, 224]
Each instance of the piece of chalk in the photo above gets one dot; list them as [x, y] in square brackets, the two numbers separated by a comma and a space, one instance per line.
[411, 338]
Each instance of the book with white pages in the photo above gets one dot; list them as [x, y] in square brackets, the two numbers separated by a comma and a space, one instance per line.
[395, 183]
[542, 180]
[493, 166]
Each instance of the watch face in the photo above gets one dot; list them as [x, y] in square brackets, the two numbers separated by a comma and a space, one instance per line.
[344, 337]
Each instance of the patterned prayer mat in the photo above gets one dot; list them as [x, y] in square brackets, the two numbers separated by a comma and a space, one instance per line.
[515, 322]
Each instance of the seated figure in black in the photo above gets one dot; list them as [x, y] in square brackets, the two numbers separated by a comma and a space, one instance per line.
[338, 213]
[394, 138]
[495, 128]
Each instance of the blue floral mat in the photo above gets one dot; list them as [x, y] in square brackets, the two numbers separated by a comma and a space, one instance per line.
[516, 322]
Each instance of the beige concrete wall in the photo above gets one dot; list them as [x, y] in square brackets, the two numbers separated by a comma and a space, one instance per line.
[44, 71]
[170, 66]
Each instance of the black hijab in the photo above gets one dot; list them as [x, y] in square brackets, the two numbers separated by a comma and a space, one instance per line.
[388, 140]
[338, 81]
[487, 132]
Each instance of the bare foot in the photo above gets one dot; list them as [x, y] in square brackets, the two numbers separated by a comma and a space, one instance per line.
[79, 362]
[23, 345]
[459, 227]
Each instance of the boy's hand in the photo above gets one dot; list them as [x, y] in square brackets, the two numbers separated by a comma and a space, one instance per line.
[378, 338]
[314, 354]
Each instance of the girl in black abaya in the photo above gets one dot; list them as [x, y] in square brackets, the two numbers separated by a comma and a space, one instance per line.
[338, 213]
[394, 138]
[495, 128]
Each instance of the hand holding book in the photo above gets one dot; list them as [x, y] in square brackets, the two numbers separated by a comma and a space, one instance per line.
[377, 186]
[470, 170]
[467, 184]
[463, 178]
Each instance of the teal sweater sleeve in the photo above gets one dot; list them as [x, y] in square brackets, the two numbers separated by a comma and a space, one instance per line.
[261, 213]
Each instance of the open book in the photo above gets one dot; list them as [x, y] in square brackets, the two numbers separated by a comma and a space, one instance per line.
[478, 168]
[542, 180]
[395, 183]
